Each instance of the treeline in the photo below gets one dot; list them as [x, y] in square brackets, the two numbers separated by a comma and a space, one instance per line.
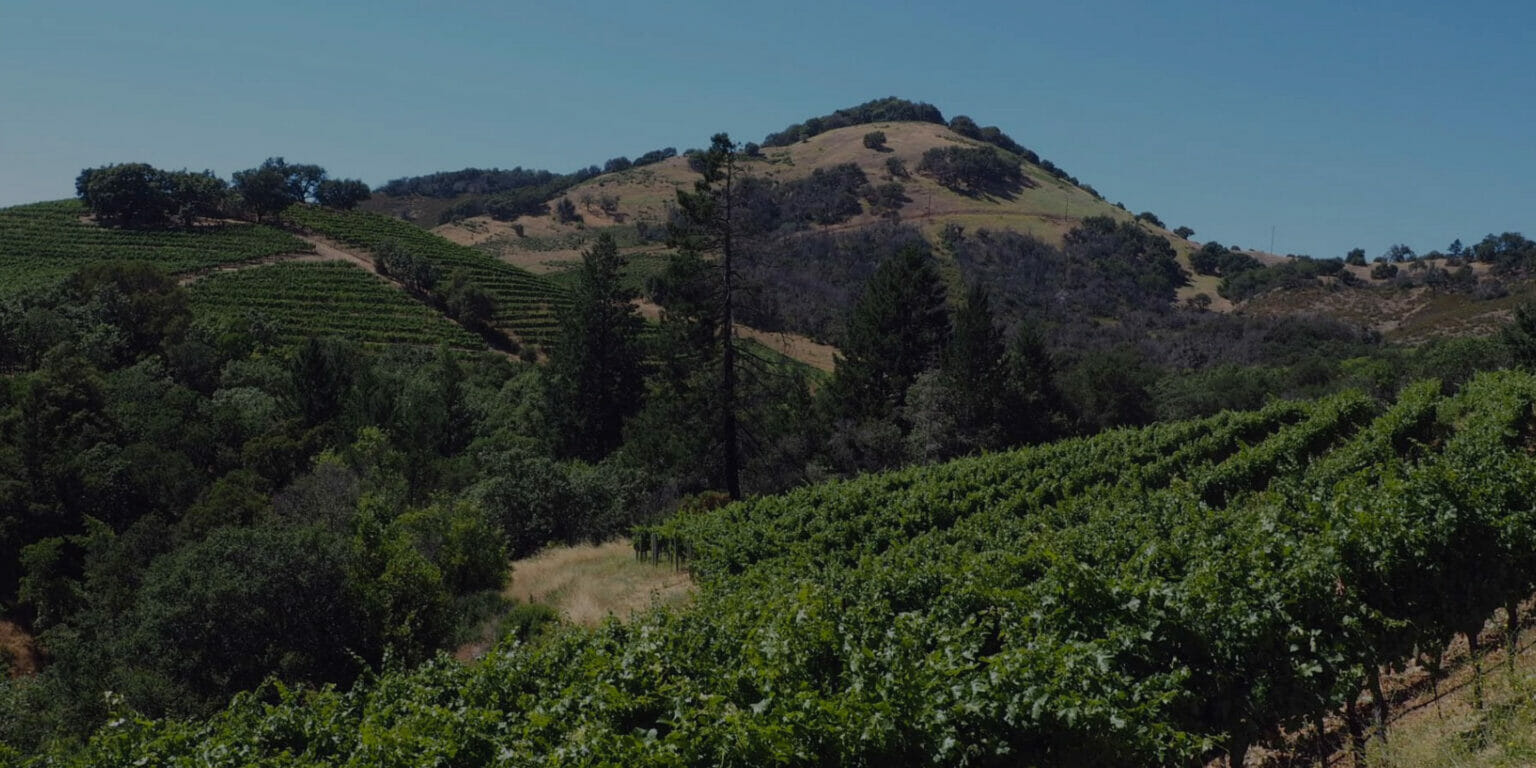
[508, 194]
[140, 195]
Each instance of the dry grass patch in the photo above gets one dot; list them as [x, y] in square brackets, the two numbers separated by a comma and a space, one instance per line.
[589, 583]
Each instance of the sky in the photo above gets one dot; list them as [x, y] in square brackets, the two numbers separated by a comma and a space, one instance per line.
[1323, 125]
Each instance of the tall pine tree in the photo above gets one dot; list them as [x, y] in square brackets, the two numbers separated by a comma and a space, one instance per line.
[691, 426]
[596, 379]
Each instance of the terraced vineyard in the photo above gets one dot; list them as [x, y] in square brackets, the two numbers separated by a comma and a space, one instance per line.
[526, 305]
[1158, 596]
[43, 242]
[328, 298]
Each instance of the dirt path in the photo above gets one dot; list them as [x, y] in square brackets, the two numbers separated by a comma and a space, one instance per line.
[325, 250]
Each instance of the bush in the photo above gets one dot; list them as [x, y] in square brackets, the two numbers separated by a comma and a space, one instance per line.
[565, 211]
[875, 140]
[1384, 270]
[973, 170]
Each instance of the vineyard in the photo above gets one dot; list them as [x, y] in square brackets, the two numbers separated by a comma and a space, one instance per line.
[1159, 596]
[43, 242]
[526, 305]
[332, 298]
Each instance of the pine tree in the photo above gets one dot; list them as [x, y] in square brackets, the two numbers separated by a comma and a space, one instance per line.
[898, 328]
[973, 367]
[1032, 409]
[595, 370]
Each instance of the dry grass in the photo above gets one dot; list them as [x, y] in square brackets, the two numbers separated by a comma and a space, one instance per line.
[18, 650]
[587, 584]
[1449, 730]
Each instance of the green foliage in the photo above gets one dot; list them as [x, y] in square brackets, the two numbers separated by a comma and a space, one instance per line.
[525, 305]
[274, 185]
[136, 194]
[1289, 273]
[1355, 257]
[467, 302]
[890, 109]
[301, 299]
[1151, 218]
[43, 243]
[565, 211]
[1213, 258]
[875, 140]
[1149, 596]
[342, 193]
[219, 616]
[974, 170]
[596, 379]
[898, 329]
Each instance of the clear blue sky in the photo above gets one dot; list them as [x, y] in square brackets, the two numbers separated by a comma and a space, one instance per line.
[1337, 123]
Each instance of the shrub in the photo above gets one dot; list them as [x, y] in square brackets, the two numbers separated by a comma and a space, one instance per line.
[972, 170]
[875, 140]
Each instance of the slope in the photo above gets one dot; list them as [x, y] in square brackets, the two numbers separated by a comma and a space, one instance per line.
[1154, 596]
[43, 242]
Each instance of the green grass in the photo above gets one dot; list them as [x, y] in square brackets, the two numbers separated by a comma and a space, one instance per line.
[527, 305]
[43, 242]
[330, 298]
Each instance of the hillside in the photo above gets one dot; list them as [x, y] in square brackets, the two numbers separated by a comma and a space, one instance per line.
[43, 242]
[1047, 209]
[1159, 596]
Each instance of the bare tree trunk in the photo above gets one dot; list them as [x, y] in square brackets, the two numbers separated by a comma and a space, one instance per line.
[1322, 738]
[1378, 702]
[1356, 730]
[1237, 751]
[729, 428]
[1512, 629]
[1477, 669]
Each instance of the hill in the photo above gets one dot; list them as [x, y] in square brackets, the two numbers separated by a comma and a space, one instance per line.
[1157, 596]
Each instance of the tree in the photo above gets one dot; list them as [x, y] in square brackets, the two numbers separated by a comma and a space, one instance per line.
[343, 194]
[1150, 218]
[1033, 412]
[467, 302]
[415, 272]
[276, 184]
[898, 328]
[973, 367]
[219, 616]
[195, 194]
[1355, 257]
[875, 140]
[1519, 337]
[595, 371]
[130, 194]
[565, 211]
[1184, 232]
[709, 225]
[1397, 254]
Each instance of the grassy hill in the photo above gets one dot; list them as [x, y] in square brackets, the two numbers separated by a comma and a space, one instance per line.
[1047, 209]
[1159, 596]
